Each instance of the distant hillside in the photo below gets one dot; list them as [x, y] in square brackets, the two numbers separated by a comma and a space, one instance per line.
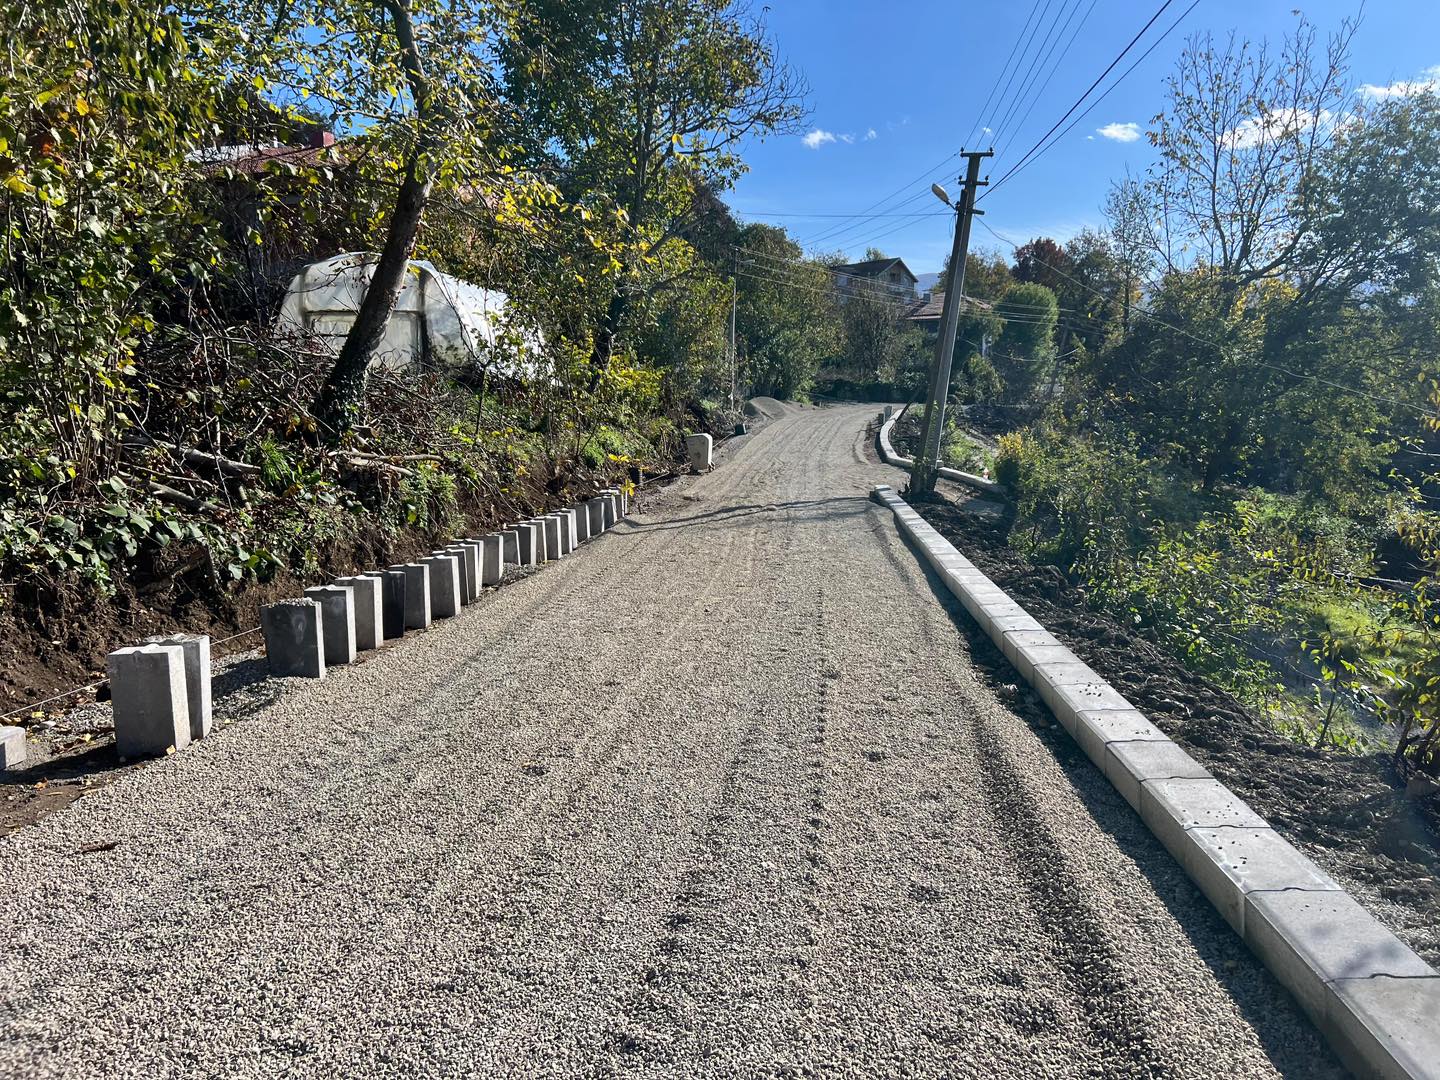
[925, 282]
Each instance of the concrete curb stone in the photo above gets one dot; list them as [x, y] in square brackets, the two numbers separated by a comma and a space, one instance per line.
[294, 638]
[12, 747]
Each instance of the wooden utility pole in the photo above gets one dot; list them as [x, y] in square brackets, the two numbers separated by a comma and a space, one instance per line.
[927, 461]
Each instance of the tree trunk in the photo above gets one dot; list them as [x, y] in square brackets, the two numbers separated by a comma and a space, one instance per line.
[605, 334]
[339, 399]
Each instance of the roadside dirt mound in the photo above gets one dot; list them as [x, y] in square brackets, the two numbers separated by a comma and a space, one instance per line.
[1347, 811]
[768, 407]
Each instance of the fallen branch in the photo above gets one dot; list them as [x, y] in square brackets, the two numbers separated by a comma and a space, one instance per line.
[201, 457]
[179, 498]
[378, 466]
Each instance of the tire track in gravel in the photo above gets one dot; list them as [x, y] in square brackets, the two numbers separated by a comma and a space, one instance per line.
[767, 827]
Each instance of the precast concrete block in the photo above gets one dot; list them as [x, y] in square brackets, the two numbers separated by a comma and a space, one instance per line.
[567, 541]
[147, 695]
[618, 497]
[997, 625]
[369, 608]
[492, 560]
[1071, 689]
[1230, 863]
[700, 449]
[1130, 765]
[418, 611]
[553, 547]
[542, 545]
[294, 638]
[196, 649]
[337, 615]
[469, 551]
[1170, 807]
[568, 524]
[582, 521]
[12, 747]
[392, 601]
[1386, 1027]
[610, 508]
[510, 545]
[1027, 657]
[444, 584]
[527, 543]
[1309, 940]
[595, 508]
[1096, 730]
[468, 579]
[1024, 639]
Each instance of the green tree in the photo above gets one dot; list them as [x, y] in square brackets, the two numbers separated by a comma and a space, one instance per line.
[100, 107]
[648, 102]
[787, 320]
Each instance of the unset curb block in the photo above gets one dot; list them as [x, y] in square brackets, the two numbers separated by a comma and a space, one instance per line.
[462, 567]
[294, 638]
[196, 650]
[595, 514]
[699, 448]
[337, 616]
[582, 521]
[417, 594]
[542, 547]
[527, 543]
[392, 601]
[147, 693]
[12, 747]
[510, 545]
[469, 552]
[554, 549]
[369, 607]
[444, 584]
[492, 562]
[1373, 998]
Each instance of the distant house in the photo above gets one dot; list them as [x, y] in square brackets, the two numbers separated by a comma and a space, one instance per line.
[890, 275]
[926, 313]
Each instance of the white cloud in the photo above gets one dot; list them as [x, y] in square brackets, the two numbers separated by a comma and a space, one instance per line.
[848, 140]
[1429, 80]
[817, 138]
[1128, 132]
[985, 131]
[870, 133]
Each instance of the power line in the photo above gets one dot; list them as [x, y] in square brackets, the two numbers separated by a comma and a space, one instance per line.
[995, 85]
[837, 214]
[1016, 70]
[1048, 77]
[1041, 59]
[811, 241]
[1091, 89]
[1023, 165]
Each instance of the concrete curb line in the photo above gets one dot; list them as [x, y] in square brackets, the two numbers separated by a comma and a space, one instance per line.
[1375, 1001]
[891, 457]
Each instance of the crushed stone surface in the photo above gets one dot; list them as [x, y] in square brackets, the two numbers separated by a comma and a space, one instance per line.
[722, 794]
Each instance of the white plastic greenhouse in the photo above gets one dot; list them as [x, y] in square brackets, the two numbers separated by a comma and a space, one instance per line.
[438, 321]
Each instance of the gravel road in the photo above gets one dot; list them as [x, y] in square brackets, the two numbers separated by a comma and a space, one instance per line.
[722, 795]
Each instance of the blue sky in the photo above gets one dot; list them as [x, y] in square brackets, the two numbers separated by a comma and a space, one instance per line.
[895, 87]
